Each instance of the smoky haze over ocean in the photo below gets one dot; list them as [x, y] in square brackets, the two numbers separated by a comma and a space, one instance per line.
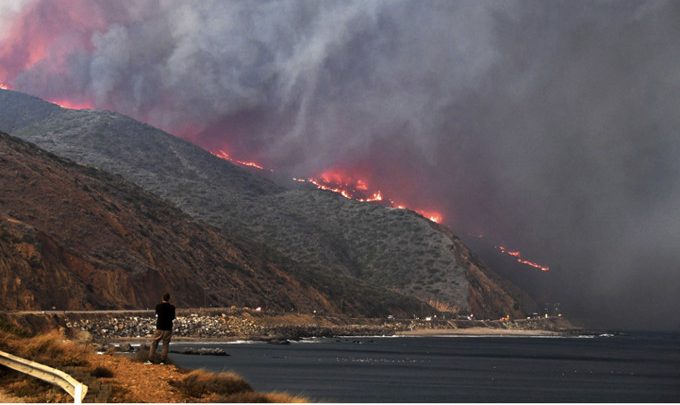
[550, 126]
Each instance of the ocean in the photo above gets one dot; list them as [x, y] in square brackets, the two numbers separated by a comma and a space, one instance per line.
[606, 368]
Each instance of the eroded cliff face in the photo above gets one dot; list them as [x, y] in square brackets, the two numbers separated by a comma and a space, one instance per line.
[36, 272]
[18, 255]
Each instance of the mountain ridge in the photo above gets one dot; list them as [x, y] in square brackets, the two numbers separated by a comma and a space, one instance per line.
[396, 249]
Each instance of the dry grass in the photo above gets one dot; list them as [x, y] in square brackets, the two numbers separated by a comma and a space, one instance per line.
[227, 387]
[50, 348]
[28, 389]
[267, 397]
[200, 383]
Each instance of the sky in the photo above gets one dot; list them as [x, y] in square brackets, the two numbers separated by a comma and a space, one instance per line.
[551, 127]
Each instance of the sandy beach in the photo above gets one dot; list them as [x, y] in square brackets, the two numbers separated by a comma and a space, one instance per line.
[478, 331]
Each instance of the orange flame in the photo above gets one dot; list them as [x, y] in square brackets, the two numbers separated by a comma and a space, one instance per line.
[358, 189]
[73, 105]
[3, 86]
[222, 154]
[518, 257]
[431, 215]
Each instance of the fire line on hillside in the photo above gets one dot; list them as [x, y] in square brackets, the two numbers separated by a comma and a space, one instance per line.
[72, 105]
[62, 102]
[358, 189]
[347, 186]
[224, 155]
[517, 255]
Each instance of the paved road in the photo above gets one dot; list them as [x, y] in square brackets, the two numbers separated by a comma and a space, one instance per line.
[114, 311]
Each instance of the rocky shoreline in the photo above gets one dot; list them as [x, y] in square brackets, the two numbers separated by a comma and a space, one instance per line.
[223, 325]
[277, 328]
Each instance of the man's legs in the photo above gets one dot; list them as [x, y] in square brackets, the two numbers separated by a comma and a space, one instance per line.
[167, 335]
[154, 343]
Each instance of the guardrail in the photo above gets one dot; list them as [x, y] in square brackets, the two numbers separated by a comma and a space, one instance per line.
[51, 375]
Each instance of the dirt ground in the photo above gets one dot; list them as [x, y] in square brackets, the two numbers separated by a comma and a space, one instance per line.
[137, 382]
[6, 397]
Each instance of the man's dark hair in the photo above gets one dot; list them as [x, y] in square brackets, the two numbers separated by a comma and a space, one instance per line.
[166, 297]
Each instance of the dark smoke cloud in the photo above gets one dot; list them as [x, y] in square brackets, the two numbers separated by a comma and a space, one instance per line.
[552, 126]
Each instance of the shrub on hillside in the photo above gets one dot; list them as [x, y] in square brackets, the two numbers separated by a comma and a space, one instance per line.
[101, 372]
[200, 383]
[258, 397]
[51, 349]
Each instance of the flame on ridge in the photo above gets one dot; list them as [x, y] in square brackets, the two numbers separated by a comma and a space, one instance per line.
[431, 215]
[519, 259]
[62, 102]
[358, 189]
[222, 154]
[73, 105]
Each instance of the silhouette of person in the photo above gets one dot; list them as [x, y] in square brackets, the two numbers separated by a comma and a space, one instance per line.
[165, 314]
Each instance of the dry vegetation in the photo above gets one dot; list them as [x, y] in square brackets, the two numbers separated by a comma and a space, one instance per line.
[50, 349]
[205, 386]
[340, 246]
[131, 380]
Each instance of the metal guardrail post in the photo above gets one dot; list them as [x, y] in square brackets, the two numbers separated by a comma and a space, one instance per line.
[73, 387]
[78, 394]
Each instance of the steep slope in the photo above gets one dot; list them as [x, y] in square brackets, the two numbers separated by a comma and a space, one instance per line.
[396, 249]
[73, 237]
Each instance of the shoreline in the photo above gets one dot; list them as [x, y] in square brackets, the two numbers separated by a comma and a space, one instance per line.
[477, 331]
[420, 332]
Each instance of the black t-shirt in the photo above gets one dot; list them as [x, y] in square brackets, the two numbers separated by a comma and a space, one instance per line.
[165, 313]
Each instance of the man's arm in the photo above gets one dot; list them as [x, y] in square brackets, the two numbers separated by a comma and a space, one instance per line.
[173, 313]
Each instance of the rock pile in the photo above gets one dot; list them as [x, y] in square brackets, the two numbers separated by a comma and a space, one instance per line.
[201, 351]
[106, 327]
[193, 325]
[216, 326]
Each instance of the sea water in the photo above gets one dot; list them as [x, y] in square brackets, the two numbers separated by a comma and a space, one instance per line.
[589, 368]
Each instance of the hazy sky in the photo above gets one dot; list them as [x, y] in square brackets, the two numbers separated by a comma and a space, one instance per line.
[549, 125]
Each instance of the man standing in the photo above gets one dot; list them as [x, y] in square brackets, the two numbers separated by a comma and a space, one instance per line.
[165, 313]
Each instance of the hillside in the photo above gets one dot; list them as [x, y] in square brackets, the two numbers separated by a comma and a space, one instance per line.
[75, 237]
[396, 249]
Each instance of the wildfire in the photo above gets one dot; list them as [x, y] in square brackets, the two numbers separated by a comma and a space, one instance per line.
[431, 215]
[222, 154]
[358, 189]
[347, 186]
[73, 105]
[519, 259]
[3, 86]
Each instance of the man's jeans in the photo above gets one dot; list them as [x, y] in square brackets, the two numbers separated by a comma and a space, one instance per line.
[165, 336]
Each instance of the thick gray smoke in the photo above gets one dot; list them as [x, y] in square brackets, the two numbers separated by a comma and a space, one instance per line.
[552, 126]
